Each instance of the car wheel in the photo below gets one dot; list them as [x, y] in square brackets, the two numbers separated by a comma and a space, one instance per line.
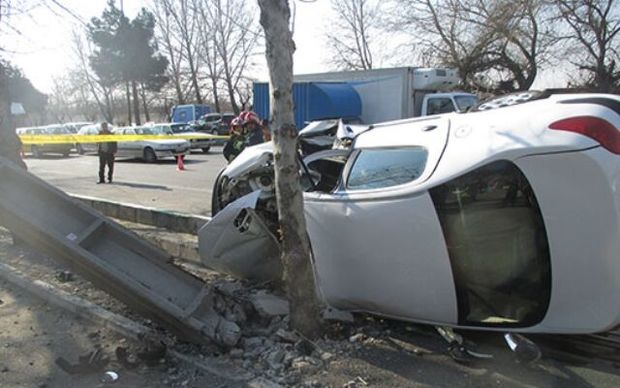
[35, 152]
[79, 149]
[65, 154]
[149, 155]
[216, 195]
[205, 149]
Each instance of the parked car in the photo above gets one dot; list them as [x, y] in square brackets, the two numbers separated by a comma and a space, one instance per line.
[90, 129]
[149, 150]
[75, 127]
[39, 149]
[185, 130]
[214, 123]
[503, 218]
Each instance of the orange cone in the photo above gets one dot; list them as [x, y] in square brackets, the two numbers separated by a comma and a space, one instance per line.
[180, 164]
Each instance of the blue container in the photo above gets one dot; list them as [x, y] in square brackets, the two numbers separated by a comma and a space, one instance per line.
[314, 101]
[187, 113]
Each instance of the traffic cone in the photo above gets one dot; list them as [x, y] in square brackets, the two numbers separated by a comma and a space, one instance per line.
[180, 164]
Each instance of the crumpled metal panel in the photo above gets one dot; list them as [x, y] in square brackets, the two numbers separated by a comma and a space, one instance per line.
[237, 242]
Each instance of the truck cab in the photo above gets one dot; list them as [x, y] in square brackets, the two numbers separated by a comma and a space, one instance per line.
[438, 103]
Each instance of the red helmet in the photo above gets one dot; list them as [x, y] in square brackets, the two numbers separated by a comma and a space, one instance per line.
[250, 117]
[236, 122]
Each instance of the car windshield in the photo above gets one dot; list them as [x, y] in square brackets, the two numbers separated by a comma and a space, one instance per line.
[161, 130]
[56, 131]
[143, 131]
[465, 102]
[178, 128]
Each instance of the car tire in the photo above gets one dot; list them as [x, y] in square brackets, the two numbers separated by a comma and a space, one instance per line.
[216, 204]
[205, 150]
[34, 150]
[65, 154]
[149, 155]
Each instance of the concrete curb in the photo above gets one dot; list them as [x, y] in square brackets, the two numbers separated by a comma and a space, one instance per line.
[173, 221]
[118, 323]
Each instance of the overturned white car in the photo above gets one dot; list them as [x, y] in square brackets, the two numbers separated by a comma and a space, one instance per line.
[496, 219]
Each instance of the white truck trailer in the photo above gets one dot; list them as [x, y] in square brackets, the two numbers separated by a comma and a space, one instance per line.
[402, 92]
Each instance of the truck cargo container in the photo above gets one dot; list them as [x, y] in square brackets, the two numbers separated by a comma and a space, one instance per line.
[314, 101]
[384, 94]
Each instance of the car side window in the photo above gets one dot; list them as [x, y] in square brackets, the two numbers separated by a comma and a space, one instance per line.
[386, 167]
[439, 105]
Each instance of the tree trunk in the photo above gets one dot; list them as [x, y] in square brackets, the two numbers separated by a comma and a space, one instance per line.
[216, 95]
[147, 117]
[136, 102]
[298, 272]
[128, 103]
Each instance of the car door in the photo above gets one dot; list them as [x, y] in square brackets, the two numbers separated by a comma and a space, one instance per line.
[377, 241]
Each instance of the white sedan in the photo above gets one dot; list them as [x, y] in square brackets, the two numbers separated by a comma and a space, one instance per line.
[149, 150]
[503, 218]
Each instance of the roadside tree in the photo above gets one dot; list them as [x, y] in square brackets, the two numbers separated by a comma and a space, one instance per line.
[296, 259]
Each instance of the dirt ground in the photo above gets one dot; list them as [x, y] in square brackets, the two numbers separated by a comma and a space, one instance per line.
[369, 352]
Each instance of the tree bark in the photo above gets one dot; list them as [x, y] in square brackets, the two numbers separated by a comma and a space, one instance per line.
[296, 259]
[128, 103]
[145, 106]
[136, 102]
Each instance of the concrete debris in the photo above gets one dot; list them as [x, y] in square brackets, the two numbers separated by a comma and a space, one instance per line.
[269, 305]
[356, 383]
[359, 337]
[287, 336]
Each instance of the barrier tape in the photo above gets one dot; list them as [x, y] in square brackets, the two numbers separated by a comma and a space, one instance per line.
[73, 139]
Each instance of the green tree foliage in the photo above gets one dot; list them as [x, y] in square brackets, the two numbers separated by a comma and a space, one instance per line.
[126, 51]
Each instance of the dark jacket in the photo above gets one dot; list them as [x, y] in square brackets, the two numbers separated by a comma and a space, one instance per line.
[110, 147]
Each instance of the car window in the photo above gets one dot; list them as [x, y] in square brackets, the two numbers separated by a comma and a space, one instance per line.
[465, 102]
[497, 244]
[129, 131]
[178, 128]
[439, 105]
[377, 168]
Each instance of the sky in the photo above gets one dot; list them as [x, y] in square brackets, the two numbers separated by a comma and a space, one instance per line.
[41, 47]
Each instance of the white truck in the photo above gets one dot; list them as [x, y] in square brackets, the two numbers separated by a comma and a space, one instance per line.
[402, 92]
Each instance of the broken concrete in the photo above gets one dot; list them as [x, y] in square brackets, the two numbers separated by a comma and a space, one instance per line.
[269, 305]
[112, 258]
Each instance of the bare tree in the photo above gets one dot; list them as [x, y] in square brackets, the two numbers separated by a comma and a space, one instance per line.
[207, 40]
[298, 274]
[350, 37]
[236, 39]
[594, 45]
[165, 36]
[496, 46]
[185, 22]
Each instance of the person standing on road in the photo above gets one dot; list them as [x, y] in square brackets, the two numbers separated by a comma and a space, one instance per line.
[106, 151]
[253, 129]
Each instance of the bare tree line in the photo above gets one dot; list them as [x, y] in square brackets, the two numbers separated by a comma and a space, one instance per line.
[210, 46]
[497, 46]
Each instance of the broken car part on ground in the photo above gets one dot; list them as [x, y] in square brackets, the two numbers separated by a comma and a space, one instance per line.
[475, 216]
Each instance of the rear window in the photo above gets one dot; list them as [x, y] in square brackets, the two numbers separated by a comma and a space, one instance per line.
[378, 168]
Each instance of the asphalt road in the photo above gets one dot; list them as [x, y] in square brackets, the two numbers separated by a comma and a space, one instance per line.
[157, 185]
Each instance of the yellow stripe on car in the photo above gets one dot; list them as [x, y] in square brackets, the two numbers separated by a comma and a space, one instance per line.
[72, 139]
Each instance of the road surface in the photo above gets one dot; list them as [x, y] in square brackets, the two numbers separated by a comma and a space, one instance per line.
[157, 185]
